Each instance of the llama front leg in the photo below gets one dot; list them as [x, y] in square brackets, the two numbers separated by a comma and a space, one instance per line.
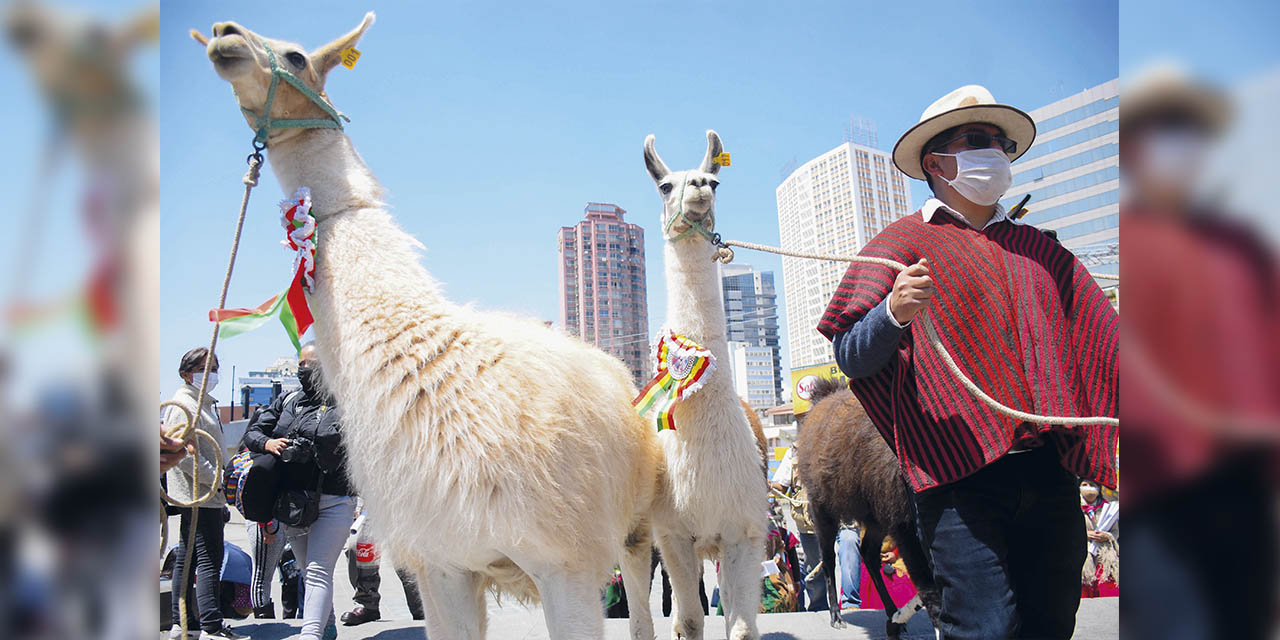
[571, 603]
[637, 555]
[684, 568]
[454, 604]
[740, 589]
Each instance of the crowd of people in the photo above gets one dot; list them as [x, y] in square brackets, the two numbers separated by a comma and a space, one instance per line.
[301, 429]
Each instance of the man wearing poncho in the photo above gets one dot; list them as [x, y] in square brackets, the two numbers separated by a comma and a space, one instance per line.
[997, 505]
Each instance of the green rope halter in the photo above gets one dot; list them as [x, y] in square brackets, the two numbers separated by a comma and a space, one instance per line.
[263, 124]
[713, 238]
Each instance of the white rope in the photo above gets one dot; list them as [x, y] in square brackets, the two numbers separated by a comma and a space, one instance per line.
[931, 335]
[187, 431]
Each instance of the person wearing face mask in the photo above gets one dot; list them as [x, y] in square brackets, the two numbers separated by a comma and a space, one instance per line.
[996, 501]
[204, 611]
[1201, 408]
[304, 430]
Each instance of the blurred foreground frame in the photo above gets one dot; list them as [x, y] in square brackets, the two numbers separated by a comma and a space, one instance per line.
[1201, 356]
[78, 543]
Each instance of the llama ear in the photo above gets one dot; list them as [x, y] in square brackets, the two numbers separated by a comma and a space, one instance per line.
[200, 37]
[714, 149]
[657, 168]
[142, 27]
[327, 57]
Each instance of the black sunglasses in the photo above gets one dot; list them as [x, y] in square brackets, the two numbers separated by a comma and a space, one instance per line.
[979, 140]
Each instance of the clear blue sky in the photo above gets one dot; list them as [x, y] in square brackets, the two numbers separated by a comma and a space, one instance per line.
[493, 124]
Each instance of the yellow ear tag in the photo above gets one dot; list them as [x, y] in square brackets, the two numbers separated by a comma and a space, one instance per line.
[349, 57]
[722, 159]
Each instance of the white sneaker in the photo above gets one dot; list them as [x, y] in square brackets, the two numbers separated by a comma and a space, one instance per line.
[175, 633]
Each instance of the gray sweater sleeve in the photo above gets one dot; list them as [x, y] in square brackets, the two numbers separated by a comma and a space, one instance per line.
[867, 346]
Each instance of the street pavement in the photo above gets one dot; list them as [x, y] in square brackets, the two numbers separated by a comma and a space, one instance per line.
[1098, 619]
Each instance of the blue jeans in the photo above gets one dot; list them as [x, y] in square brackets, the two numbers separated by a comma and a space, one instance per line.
[815, 589]
[1006, 545]
[317, 548]
[847, 549]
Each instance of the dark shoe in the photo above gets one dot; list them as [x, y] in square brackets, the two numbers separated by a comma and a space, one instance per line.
[267, 610]
[225, 633]
[359, 615]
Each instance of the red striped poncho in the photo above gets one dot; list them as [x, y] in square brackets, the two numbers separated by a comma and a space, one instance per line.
[1021, 316]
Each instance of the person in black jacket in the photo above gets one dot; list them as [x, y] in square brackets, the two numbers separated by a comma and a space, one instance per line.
[303, 429]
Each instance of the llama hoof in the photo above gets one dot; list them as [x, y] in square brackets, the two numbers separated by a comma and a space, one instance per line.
[837, 623]
[686, 630]
[894, 631]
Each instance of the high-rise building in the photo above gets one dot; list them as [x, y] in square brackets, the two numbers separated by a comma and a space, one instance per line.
[603, 299]
[833, 204]
[755, 374]
[1073, 175]
[751, 316]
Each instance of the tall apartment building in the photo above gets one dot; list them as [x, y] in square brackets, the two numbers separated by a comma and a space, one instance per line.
[751, 315]
[603, 299]
[1072, 172]
[755, 374]
[833, 204]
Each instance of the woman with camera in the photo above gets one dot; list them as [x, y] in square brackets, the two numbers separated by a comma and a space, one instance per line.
[316, 502]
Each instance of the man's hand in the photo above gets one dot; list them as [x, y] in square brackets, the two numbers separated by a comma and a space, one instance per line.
[1099, 536]
[912, 291]
[277, 445]
[171, 451]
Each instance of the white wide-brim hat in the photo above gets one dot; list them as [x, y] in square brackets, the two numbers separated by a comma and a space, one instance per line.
[1169, 88]
[968, 104]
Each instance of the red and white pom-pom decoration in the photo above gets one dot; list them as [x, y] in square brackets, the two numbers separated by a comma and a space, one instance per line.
[300, 231]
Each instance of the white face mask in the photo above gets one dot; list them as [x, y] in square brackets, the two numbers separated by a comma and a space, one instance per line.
[982, 175]
[197, 378]
[1173, 159]
[1088, 493]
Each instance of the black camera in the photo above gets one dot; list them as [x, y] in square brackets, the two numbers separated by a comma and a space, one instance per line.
[298, 450]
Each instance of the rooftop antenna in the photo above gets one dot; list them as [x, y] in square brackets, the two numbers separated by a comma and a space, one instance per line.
[861, 131]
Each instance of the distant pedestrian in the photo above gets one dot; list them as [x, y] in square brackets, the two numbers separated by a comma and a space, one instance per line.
[363, 559]
[204, 601]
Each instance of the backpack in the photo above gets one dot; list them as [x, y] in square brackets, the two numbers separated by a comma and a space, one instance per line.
[252, 482]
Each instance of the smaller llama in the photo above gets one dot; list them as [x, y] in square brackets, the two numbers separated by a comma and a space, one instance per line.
[851, 474]
[714, 503]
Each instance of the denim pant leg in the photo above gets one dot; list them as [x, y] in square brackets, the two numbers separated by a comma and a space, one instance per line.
[317, 548]
[816, 588]
[1047, 549]
[848, 548]
[204, 606]
[962, 528]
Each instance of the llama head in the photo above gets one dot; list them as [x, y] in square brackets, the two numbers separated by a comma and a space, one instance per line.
[241, 57]
[688, 197]
[80, 62]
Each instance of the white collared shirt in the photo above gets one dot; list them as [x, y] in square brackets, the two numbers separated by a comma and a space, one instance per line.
[932, 205]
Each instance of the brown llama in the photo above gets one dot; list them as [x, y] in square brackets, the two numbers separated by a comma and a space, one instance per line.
[851, 474]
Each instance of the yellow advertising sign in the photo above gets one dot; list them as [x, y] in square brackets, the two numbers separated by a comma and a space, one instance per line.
[802, 381]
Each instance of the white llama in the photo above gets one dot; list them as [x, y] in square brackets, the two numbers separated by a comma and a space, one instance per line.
[714, 503]
[459, 424]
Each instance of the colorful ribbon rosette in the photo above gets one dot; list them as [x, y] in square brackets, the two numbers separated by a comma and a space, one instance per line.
[291, 305]
[683, 366]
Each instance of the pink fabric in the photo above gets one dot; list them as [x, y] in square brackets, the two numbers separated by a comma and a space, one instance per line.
[901, 591]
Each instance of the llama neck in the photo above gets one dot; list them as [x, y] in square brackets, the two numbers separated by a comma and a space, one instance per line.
[325, 161]
[364, 262]
[694, 307]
